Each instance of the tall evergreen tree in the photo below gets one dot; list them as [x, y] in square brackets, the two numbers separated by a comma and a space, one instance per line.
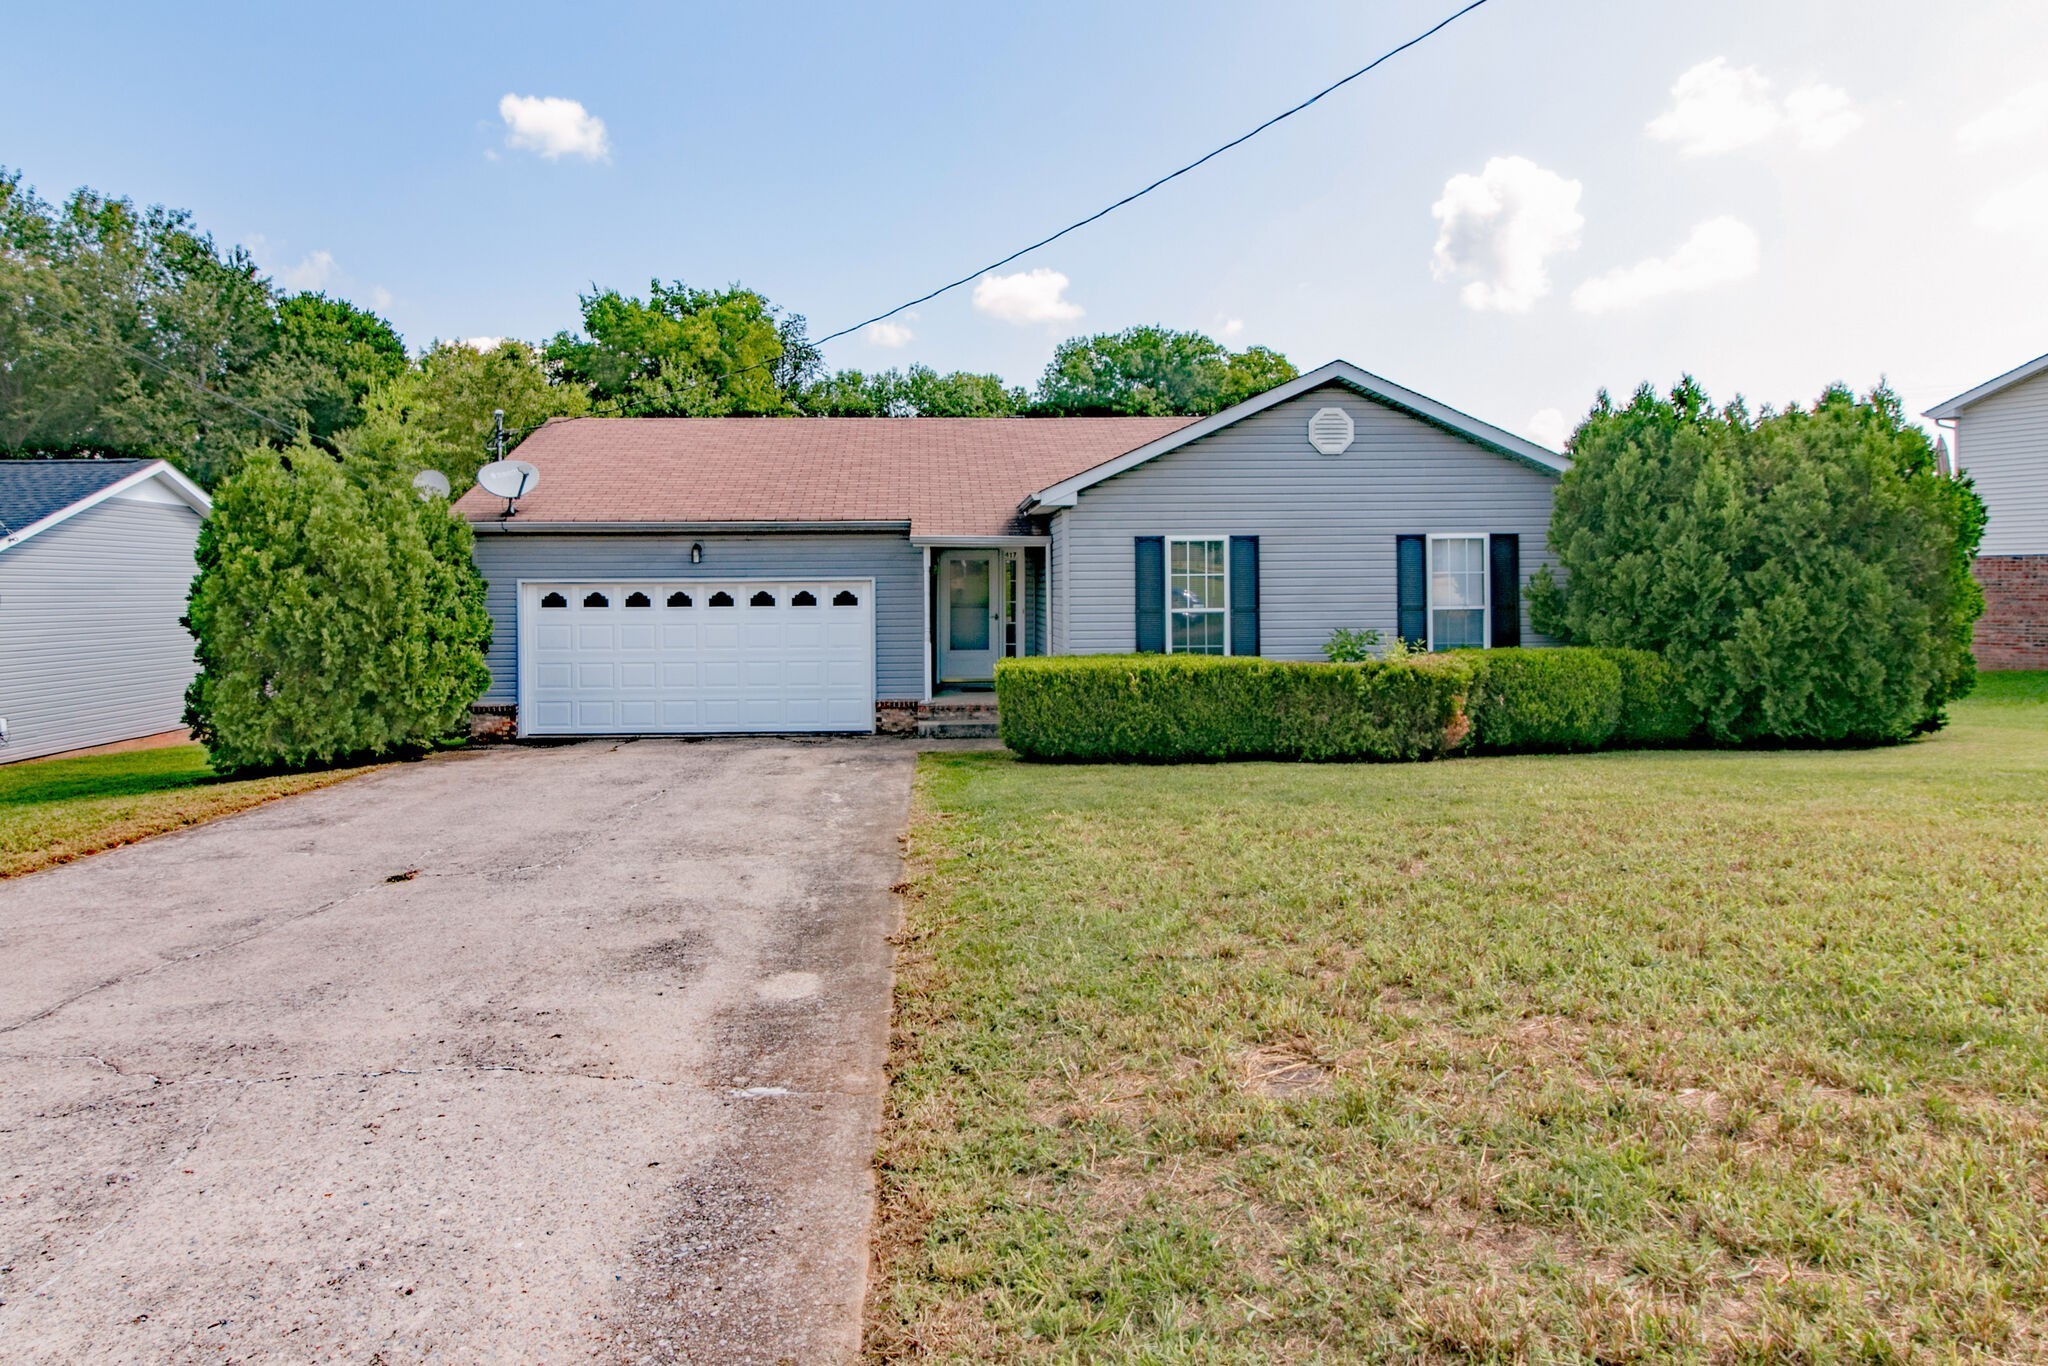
[1807, 573]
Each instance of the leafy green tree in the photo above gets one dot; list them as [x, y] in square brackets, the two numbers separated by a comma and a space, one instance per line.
[336, 618]
[1154, 372]
[685, 352]
[127, 331]
[437, 414]
[1806, 573]
[343, 352]
[919, 391]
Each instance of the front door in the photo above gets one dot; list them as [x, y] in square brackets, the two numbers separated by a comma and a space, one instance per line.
[970, 616]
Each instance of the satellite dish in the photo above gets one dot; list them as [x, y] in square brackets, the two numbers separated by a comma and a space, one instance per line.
[431, 484]
[508, 479]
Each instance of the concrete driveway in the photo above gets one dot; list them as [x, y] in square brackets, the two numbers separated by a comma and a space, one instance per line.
[525, 1054]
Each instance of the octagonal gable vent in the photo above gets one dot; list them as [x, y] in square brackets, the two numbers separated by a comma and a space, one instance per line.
[1330, 431]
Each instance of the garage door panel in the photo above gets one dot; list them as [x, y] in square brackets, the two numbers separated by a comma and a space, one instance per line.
[777, 658]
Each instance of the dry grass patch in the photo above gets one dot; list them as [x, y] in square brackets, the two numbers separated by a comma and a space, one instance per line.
[56, 810]
[1638, 1057]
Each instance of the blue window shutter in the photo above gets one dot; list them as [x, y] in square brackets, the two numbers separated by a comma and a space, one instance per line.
[1411, 577]
[1151, 594]
[1244, 595]
[1504, 565]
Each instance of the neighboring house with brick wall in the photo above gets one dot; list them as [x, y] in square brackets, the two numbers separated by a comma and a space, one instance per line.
[708, 575]
[2001, 442]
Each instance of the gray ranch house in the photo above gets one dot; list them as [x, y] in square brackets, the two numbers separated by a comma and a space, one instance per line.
[96, 557]
[720, 575]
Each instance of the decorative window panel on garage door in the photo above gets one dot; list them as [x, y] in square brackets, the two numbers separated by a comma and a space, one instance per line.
[696, 657]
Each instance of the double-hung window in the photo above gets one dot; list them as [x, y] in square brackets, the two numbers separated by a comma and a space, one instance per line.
[1457, 592]
[1198, 595]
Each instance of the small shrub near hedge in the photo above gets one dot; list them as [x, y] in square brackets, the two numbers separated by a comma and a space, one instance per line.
[1166, 708]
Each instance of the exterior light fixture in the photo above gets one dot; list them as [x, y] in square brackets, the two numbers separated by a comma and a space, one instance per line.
[696, 552]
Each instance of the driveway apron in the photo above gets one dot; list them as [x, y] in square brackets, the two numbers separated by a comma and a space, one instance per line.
[528, 1054]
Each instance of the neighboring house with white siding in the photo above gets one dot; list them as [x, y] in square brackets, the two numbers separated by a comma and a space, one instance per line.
[2001, 442]
[96, 559]
[847, 574]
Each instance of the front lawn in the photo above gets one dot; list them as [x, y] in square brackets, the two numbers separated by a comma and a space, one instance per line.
[1692, 1056]
[56, 810]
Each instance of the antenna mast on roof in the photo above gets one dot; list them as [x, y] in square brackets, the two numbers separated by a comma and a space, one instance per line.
[498, 433]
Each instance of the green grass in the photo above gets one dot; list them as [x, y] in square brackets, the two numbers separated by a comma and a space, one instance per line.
[56, 810]
[1694, 1056]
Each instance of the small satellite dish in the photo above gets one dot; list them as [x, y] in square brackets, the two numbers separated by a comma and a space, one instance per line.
[508, 479]
[431, 484]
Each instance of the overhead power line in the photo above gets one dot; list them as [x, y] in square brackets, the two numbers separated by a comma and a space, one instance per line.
[1136, 195]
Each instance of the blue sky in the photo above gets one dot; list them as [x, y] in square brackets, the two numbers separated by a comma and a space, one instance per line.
[1547, 198]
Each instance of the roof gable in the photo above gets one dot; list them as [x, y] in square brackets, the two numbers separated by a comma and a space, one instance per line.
[2017, 375]
[36, 495]
[1371, 386]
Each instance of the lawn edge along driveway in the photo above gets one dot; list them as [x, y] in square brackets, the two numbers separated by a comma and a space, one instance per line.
[53, 811]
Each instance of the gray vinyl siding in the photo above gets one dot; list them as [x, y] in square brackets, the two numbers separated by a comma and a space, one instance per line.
[2002, 444]
[1034, 602]
[1326, 524]
[1056, 597]
[890, 560]
[91, 649]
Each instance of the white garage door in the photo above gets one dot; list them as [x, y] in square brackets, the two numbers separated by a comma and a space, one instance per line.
[700, 657]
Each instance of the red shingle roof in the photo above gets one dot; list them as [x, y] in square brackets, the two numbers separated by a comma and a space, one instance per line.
[946, 476]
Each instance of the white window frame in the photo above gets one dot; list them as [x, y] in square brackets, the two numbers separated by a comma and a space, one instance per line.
[1167, 590]
[1429, 609]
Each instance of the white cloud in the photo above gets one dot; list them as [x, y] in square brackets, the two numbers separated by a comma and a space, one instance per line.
[2019, 207]
[380, 298]
[1720, 251]
[315, 270]
[2019, 115]
[1228, 328]
[1717, 108]
[1549, 427]
[1820, 116]
[554, 127]
[890, 335]
[484, 344]
[1029, 296]
[1500, 228]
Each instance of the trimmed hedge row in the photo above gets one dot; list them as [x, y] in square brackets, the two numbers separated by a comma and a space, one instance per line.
[1163, 708]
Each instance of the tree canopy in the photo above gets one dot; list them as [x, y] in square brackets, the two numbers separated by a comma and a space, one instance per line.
[1807, 573]
[128, 331]
[1155, 372]
[685, 352]
[438, 412]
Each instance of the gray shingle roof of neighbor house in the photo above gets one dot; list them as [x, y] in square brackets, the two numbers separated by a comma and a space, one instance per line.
[2016, 375]
[31, 490]
[35, 493]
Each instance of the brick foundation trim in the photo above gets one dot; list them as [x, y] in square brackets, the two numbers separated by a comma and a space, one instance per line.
[2013, 632]
[896, 716]
[493, 721]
